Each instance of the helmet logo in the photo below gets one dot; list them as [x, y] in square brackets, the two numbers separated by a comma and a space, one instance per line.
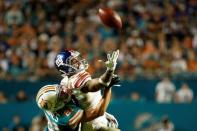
[59, 61]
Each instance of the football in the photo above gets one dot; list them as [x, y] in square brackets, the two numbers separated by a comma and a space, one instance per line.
[110, 18]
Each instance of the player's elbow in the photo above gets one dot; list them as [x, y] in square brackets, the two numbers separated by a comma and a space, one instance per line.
[96, 115]
[100, 112]
[88, 116]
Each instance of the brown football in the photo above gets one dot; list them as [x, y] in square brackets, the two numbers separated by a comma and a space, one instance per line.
[110, 18]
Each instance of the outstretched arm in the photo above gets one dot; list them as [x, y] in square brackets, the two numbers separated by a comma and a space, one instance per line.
[98, 83]
[104, 80]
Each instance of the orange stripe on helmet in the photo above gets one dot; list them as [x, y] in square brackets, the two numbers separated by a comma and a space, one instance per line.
[44, 90]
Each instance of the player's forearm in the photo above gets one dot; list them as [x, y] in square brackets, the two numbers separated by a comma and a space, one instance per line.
[106, 77]
[105, 101]
[91, 114]
[98, 83]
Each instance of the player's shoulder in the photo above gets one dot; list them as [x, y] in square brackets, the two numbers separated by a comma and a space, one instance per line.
[80, 78]
[81, 74]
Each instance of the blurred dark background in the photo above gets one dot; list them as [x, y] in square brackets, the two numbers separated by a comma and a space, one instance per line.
[157, 62]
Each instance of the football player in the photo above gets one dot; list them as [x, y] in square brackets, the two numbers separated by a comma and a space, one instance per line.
[62, 112]
[85, 90]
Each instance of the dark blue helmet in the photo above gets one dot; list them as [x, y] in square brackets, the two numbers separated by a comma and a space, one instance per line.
[69, 62]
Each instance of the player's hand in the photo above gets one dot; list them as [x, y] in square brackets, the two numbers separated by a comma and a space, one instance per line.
[115, 79]
[112, 60]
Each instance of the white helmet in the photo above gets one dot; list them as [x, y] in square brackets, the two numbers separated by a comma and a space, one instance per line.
[49, 98]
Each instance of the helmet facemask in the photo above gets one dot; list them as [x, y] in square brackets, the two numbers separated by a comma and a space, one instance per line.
[70, 63]
[76, 64]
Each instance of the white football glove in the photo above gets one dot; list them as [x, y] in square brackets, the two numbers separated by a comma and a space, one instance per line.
[112, 60]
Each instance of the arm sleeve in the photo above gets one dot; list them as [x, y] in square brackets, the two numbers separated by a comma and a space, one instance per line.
[79, 80]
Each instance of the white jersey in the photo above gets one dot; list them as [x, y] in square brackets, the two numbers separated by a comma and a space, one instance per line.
[185, 95]
[85, 100]
[165, 92]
